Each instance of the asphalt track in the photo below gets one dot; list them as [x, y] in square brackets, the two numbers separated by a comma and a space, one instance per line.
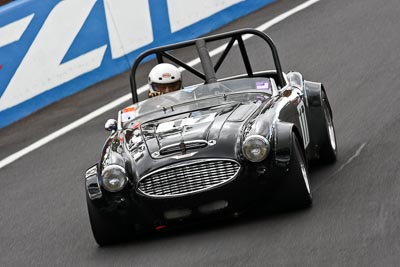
[351, 46]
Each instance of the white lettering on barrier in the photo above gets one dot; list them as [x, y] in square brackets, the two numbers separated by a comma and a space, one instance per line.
[13, 31]
[129, 25]
[40, 69]
[183, 13]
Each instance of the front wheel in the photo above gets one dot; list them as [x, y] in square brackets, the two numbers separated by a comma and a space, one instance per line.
[296, 187]
[107, 230]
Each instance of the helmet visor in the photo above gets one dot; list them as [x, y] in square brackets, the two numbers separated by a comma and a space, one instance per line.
[166, 87]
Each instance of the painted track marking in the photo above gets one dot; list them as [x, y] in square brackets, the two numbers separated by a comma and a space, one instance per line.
[358, 152]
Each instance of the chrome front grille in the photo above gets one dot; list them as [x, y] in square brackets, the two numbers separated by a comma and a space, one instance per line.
[188, 178]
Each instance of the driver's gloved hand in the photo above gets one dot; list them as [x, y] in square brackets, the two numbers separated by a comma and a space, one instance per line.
[154, 94]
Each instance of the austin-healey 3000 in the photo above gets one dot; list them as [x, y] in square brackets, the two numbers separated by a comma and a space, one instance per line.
[215, 148]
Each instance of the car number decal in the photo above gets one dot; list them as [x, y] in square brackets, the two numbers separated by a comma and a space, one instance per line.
[171, 125]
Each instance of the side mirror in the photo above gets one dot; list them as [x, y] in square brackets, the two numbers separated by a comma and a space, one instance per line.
[111, 125]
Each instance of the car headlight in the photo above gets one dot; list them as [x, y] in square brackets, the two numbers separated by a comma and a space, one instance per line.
[114, 178]
[255, 148]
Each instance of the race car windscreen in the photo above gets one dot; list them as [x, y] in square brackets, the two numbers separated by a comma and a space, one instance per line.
[205, 95]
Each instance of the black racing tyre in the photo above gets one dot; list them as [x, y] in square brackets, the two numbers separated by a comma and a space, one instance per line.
[106, 230]
[296, 187]
[328, 150]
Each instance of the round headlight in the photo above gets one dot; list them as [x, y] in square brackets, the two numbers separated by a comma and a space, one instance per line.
[114, 178]
[255, 148]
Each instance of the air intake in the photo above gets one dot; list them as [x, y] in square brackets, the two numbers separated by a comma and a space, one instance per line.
[184, 146]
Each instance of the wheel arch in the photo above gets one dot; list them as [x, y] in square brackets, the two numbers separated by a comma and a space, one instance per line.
[283, 143]
[314, 96]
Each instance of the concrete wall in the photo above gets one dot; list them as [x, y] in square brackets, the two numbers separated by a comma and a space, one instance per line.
[52, 49]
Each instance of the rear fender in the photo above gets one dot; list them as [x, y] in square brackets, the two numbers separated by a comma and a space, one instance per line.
[315, 116]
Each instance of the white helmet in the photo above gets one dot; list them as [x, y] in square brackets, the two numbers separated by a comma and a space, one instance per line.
[164, 78]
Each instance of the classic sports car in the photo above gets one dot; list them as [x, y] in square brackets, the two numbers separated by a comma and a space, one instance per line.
[213, 149]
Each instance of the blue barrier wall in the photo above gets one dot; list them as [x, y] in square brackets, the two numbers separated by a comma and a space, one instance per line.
[52, 49]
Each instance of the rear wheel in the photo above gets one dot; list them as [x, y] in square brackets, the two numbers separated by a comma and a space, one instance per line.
[328, 150]
[296, 186]
[107, 230]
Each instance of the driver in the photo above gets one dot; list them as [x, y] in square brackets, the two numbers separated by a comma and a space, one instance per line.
[164, 78]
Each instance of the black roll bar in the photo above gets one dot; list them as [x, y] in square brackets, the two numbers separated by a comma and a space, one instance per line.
[209, 69]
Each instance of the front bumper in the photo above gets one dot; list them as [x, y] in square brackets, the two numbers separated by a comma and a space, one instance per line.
[253, 188]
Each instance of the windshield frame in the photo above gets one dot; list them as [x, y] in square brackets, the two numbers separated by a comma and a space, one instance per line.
[173, 103]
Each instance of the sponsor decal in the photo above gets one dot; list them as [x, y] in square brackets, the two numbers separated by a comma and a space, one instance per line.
[127, 116]
[129, 109]
[264, 85]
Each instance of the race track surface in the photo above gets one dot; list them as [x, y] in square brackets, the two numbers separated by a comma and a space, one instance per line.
[352, 46]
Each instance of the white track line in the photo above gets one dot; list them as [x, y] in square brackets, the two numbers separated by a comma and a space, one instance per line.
[125, 98]
[358, 152]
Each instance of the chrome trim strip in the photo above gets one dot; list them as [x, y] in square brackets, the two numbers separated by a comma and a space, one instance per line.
[184, 164]
[92, 183]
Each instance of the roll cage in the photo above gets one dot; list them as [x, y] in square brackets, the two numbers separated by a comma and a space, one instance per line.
[209, 69]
